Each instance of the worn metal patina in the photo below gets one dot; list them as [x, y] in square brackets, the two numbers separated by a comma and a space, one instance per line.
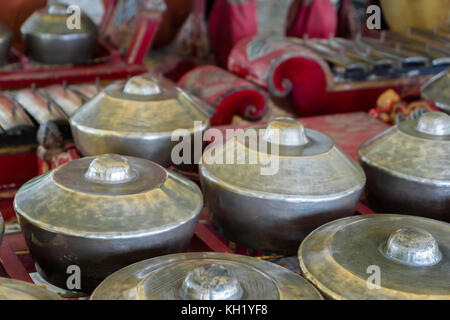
[48, 38]
[19, 290]
[137, 119]
[13, 119]
[205, 276]
[408, 167]
[38, 106]
[315, 183]
[437, 89]
[409, 255]
[67, 100]
[104, 213]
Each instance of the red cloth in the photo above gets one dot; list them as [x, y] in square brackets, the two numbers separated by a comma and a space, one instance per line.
[229, 22]
[348, 26]
[282, 67]
[16, 168]
[314, 18]
[226, 93]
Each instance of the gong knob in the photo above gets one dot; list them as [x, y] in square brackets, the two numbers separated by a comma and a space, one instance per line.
[143, 86]
[110, 169]
[211, 282]
[286, 132]
[413, 247]
[434, 123]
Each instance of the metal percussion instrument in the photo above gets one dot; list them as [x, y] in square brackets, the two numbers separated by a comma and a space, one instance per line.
[11, 289]
[205, 276]
[104, 213]
[379, 256]
[137, 118]
[49, 38]
[437, 89]
[408, 168]
[274, 208]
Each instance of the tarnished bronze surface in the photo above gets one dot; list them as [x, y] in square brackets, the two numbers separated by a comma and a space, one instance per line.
[38, 106]
[338, 58]
[408, 167]
[411, 256]
[315, 183]
[357, 52]
[205, 276]
[437, 89]
[430, 37]
[67, 100]
[85, 90]
[48, 38]
[19, 290]
[137, 119]
[104, 213]
[12, 117]
[424, 46]
[397, 51]
[5, 43]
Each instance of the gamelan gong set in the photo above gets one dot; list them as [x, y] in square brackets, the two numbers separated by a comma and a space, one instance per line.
[356, 119]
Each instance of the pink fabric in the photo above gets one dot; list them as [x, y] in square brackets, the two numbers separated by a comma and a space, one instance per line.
[312, 18]
[229, 22]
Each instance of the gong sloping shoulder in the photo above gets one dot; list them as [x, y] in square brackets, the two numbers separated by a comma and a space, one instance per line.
[62, 201]
[409, 156]
[327, 174]
[19, 290]
[339, 257]
[43, 22]
[437, 89]
[260, 279]
[112, 112]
